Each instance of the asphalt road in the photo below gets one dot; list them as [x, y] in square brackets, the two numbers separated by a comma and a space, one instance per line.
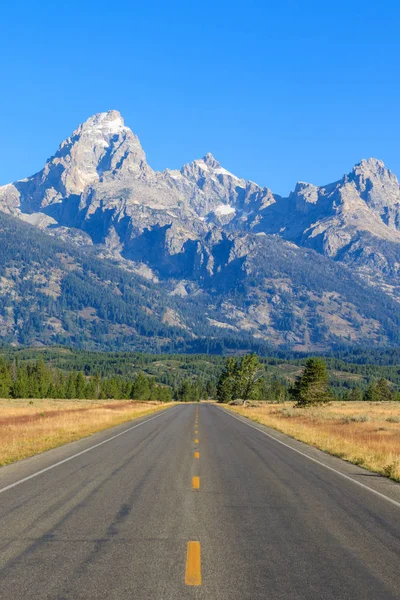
[115, 521]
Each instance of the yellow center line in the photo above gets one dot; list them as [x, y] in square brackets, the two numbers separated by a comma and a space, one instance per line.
[196, 441]
[196, 483]
[197, 454]
[196, 431]
[193, 564]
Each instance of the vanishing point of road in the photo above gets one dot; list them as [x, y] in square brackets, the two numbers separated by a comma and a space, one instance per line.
[193, 502]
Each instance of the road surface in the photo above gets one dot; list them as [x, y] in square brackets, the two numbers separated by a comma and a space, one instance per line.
[192, 503]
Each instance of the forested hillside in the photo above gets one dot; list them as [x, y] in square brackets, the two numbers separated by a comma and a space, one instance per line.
[52, 292]
[179, 376]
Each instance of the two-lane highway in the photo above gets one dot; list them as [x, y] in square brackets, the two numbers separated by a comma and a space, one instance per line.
[192, 504]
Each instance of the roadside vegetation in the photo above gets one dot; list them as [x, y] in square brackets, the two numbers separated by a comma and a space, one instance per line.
[28, 427]
[55, 395]
[364, 430]
[185, 377]
[364, 433]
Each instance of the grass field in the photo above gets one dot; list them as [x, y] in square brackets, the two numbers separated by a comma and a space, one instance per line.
[364, 433]
[28, 427]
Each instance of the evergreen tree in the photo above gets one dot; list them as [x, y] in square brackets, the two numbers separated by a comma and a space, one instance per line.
[70, 388]
[226, 385]
[42, 376]
[312, 387]
[185, 392]
[355, 395]
[140, 388]
[210, 389]
[20, 386]
[6, 381]
[369, 394]
[383, 392]
[110, 388]
[80, 385]
[379, 391]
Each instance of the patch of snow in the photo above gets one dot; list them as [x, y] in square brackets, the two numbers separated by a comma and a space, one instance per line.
[201, 164]
[115, 125]
[222, 171]
[38, 219]
[174, 174]
[225, 209]
[107, 124]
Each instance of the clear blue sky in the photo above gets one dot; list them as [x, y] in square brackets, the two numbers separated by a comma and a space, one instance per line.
[277, 91]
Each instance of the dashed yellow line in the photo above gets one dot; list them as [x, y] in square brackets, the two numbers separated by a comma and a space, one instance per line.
[197, 454]
[196, 441]
[193, 564]
[196, 483]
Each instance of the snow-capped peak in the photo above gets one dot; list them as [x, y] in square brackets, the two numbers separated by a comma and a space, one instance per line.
[104, 124]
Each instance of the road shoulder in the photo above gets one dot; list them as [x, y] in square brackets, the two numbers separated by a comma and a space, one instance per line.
[375, 483]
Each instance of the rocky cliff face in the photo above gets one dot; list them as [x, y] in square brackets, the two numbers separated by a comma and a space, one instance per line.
[355, 220]
[207, 231]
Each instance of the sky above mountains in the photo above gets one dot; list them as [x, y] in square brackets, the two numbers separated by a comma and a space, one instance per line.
[276, 91]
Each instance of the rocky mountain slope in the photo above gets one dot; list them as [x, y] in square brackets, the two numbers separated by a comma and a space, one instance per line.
[225, 258]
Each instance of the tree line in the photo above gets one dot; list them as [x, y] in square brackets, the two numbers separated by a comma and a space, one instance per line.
[37, 380]
[190, 379]
[242, 379]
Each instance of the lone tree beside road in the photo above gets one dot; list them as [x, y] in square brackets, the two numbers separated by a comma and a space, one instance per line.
[312, 387]
[239, 379]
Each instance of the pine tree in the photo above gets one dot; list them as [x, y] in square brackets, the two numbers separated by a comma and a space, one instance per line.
[140, 388]
[80, 385]
[6, 381]
[312, 387]
[369, 394]
[70, 389]
[355, 395]
[382, 391]
[185, 392]
[227, 381]
[20, 386]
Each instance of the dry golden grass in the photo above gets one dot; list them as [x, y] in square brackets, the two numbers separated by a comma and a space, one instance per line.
[29, 427]
[364, 433]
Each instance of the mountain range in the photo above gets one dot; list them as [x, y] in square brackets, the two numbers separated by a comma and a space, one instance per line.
[199, 255]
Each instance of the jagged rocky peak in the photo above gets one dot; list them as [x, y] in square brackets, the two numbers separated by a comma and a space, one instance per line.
[209, 167]
[207, 163]
[372, 168]
[305, 193]
[371, 173]
[378, 187]
[105, 123]
[100, 149]
[103, 144]
[210, 161]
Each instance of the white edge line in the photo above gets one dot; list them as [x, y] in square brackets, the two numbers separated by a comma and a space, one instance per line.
[65, 460]
[394, 502]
